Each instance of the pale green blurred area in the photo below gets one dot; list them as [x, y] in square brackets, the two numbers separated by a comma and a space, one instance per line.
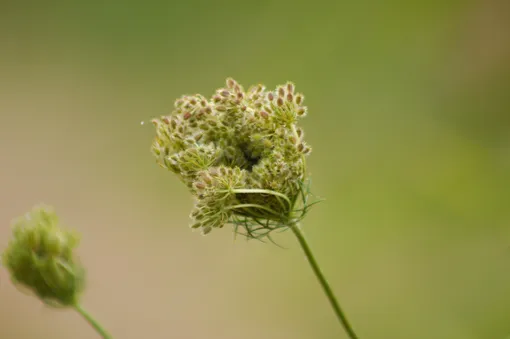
[410, 124]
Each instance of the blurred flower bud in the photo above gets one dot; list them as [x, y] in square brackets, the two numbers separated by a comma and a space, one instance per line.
[41, 257]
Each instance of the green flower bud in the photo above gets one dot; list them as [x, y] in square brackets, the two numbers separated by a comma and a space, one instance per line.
[40, 257]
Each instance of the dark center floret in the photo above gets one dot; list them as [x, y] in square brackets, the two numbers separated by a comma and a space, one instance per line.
[250, 157]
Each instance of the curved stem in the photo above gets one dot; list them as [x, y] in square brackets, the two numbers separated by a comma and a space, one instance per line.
[324, 283]
[252, 205]
[263, 191]
[92, 322]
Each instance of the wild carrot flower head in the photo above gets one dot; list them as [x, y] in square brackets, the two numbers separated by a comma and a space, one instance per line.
[40, 257]
[241, 153]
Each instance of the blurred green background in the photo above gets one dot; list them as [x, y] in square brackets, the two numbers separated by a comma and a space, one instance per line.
[410, 124]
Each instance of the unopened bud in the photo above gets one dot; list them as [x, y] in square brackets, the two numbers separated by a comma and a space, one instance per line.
[231, 83]
[301, 111]
[41, 258]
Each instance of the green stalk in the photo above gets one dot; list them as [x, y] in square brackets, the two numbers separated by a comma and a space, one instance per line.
[324, 283]
[92, 322]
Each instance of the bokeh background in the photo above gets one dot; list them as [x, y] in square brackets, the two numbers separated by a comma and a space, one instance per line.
[410, 124]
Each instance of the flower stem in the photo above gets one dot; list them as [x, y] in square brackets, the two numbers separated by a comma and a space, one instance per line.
[93, 322]
[324, 283]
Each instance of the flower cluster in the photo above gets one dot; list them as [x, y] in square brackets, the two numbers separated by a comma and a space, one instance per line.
[240, 153]
[40, 257]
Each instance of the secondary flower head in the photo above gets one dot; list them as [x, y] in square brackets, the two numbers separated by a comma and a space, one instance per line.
[240, 153]
[41, 257]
